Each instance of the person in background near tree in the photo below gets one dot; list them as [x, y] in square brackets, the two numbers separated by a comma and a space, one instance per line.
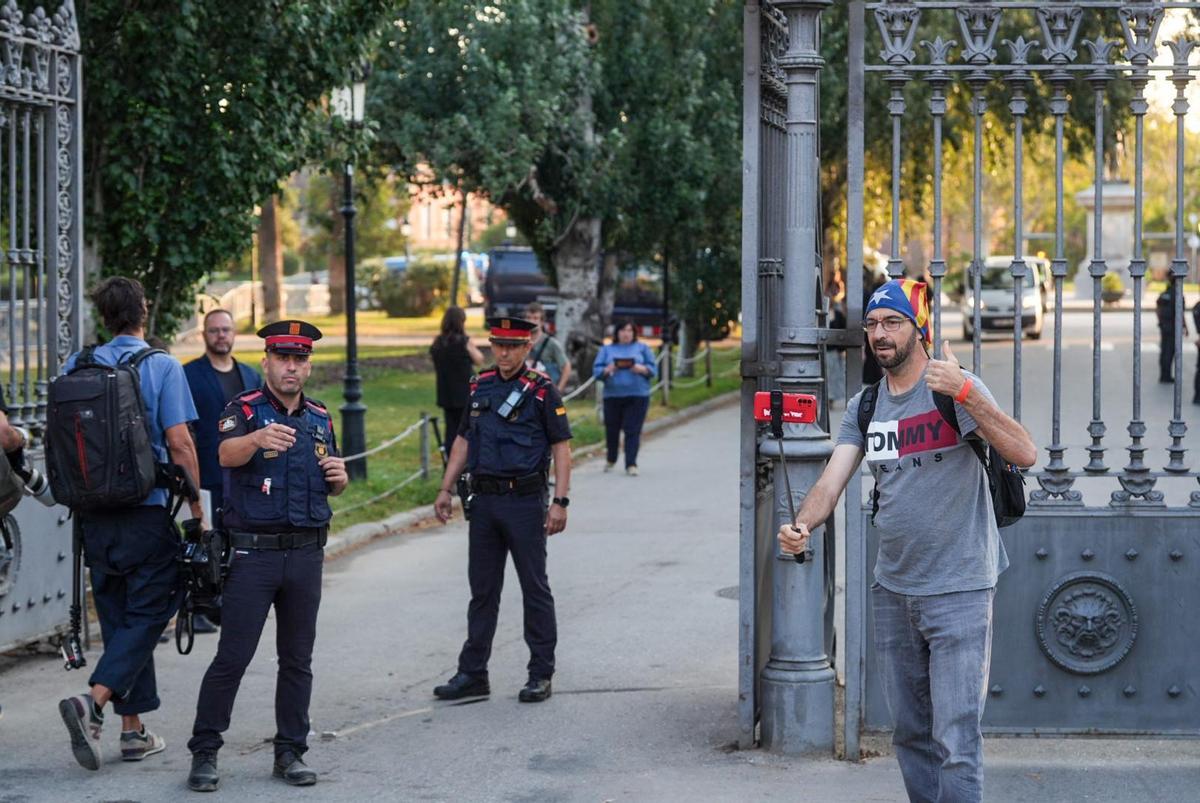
[214, 379]
[547, 354]
[455, 359]
[626, 366]
[1165, 311]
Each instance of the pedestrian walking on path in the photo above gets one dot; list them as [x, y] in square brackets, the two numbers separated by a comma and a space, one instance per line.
[132, 550]
[939, 547]
[627, 368]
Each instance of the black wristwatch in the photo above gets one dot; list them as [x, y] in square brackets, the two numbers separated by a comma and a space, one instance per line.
[561, 501]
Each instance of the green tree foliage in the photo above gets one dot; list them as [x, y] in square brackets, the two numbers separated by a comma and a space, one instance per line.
[916, 151]
[381, 203]
[613, 128]
[193, 114]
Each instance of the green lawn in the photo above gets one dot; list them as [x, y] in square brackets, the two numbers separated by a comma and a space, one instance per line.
[396, 395]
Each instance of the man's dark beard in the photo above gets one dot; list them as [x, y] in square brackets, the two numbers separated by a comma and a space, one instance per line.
[215, 349]
[899, 352]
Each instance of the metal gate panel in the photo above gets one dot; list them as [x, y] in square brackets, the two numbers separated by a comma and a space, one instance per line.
[1095, 628]
[41, 222]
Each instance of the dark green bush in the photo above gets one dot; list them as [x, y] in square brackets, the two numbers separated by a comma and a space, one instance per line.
[415, 292]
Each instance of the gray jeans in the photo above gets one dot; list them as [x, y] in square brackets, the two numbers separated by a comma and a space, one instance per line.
[934, 654]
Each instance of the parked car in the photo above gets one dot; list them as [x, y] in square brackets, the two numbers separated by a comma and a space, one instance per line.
[996, 311]
[514, 279]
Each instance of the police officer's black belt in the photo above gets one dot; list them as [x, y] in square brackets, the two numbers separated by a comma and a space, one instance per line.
[530, 483]
[292, 540]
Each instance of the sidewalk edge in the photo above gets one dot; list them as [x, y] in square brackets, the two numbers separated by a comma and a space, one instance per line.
[351, 538]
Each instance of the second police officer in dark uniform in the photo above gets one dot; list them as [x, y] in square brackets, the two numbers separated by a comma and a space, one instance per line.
[280, 465]
[515, 422]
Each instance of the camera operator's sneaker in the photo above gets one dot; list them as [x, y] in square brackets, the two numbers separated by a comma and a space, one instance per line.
[83, 722]
[135, 746]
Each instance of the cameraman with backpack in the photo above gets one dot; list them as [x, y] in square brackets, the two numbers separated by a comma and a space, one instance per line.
[132, 551]
[936, 571]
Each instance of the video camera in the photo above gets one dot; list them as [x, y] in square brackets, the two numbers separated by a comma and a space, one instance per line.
[203, 565]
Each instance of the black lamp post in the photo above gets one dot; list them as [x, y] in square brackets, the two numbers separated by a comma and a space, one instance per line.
[349, 104]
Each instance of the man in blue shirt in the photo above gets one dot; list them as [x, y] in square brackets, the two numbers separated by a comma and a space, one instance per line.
[132, 553]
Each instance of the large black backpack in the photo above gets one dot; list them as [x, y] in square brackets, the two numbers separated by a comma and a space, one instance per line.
[1006, 483]
[98, 447]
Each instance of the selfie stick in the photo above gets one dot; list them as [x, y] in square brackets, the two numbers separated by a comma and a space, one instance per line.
[777, 432]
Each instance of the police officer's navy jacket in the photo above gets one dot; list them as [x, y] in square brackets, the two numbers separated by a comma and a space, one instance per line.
[520, 444]
[278, 491]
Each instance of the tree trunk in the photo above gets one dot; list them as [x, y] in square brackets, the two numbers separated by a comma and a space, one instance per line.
[458, 259]
[270, 261]
[607, 291]
[337, 254]
[577, 320]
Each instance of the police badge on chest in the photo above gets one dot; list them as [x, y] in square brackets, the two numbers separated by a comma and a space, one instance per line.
[320, 446]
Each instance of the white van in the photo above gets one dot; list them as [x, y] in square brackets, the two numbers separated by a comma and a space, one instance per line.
[996, 312]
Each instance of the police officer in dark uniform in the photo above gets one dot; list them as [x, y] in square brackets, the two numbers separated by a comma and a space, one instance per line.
[279, 457]
[1165, 312]
[515, 422]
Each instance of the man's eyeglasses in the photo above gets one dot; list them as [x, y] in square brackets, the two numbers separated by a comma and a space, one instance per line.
[890, 324]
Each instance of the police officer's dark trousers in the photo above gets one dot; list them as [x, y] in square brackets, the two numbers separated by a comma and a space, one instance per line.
[289, 579]
[132, 555]
[1166, 355]
[503, 523]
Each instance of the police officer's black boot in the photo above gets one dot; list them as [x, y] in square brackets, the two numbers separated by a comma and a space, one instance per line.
[463, 685]
[293, 770]
[535, 691]
[204, 777]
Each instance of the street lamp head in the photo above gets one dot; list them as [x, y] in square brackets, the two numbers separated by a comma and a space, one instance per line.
[349, 103]
[510, 231]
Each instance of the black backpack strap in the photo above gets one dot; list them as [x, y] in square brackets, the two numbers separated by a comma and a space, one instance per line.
[866, 411]
[140, 356]
[945, 406]
[86, 357]
[866, 407]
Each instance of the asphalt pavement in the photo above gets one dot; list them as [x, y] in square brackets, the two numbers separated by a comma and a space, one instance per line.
[645, 695]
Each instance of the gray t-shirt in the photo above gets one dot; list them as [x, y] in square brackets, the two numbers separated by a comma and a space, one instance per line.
[550, 357]
[937, 533]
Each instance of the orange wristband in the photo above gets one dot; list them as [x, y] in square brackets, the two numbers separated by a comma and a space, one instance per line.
[966, 391]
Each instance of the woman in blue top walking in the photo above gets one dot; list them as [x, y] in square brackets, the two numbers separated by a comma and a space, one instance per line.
[627, 368]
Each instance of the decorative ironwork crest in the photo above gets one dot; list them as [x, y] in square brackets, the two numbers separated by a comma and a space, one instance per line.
[66, 26]
[41, 28]
[1101, 50]
[1140, 23]
[1060, 26]
[12, 29]
[898, 26]
[1086, 623]
[939, 51]
[774, 43]
[979, 25]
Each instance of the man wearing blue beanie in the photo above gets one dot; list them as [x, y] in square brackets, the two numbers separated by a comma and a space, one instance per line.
[935, 575]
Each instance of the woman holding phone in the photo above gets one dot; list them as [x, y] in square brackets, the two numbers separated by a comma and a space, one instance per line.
[626, 367]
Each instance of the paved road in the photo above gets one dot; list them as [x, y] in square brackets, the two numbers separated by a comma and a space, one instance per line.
[645, 699]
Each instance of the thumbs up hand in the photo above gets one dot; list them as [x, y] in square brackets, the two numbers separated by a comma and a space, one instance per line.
[945, 375]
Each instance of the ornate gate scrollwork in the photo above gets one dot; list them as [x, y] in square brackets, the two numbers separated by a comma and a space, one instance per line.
[1087, 623]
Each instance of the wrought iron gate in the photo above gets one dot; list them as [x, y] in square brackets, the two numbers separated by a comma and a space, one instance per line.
[42, 231]
[1093, 626]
